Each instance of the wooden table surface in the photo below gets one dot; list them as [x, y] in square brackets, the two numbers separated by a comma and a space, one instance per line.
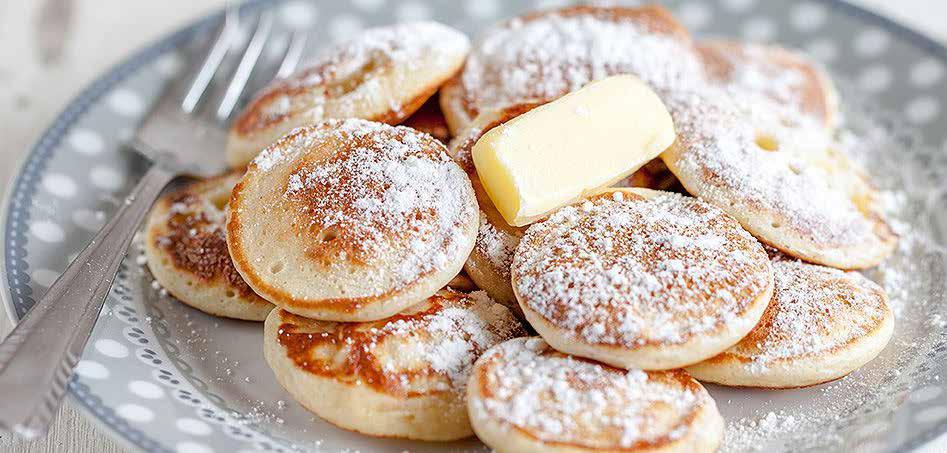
[51, 49]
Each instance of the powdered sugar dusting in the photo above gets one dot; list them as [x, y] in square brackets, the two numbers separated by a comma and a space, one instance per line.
[634, 271]
[549, 55]
[559, 398]
[347, 73]
[461, 331]
[802, 182]
[814, 309]
[428, 348]
[380, 192]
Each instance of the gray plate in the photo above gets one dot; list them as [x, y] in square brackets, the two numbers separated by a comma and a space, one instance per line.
[163, 377]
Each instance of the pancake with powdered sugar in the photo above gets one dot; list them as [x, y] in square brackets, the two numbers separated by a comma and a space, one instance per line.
[523, 396]
[543, 55]
[403, 376]
[639, 278]
[822, 324]
[186, 250]
[384, 74]
[351, 220]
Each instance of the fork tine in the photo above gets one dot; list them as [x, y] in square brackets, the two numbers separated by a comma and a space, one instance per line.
[248, 61]
[293, 55]
[212, 61]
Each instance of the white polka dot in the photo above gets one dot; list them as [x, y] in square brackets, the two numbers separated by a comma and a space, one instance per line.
[89, 220]
[193, 447]
[694, 15]
[927, 72]
[47, 231]
[345, 26]
[824, 50]
[106, 178]
[298, 14]
[871, 42]
[875, 78]
[44, 277]
[931, 414]
[922, 110]
[925, 394]
[759, 29]
[193, 426]
[59, 185]
[169, 64]
[135, 413]
[482, 9]
[739, 5]
[111, 348]
[91, 370]
[808, 16]
[412, 11]
[126, 102]
[368, 5]
[86, 141]
[548, 4]
[145, 390]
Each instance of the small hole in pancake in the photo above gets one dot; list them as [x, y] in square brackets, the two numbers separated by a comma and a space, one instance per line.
[795, 169]
[328, 235]
[231, 294]
[776, 224]
[276, 268]
[190, 283]
[767, 143]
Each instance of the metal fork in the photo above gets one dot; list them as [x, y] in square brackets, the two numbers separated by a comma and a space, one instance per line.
[184, 134]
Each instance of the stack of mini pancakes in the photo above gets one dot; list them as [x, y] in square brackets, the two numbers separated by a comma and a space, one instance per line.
[398, 302]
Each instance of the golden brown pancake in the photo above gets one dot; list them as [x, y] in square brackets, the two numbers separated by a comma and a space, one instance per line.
[822, 324]
[543, 55]
[187, 252]
[638, 278]
[779, 172]
[524, 396]
[384, 74]
[351, 220]
[404, 376]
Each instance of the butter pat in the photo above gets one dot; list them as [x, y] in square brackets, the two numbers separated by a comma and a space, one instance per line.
[559, 152]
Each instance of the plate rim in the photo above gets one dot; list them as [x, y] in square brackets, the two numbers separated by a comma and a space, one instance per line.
[52, 135]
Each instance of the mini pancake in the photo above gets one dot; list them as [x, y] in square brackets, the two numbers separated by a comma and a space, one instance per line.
[781, 74]
[779, 172]
[637, 278]
[822, 324]
[187, 253]
[489, 263]
[544, 55]
[351, 220]
[404, 376]
[430, 120]
[523, 396]
[384, 74]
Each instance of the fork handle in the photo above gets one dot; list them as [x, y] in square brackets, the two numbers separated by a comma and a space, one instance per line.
[38, 357]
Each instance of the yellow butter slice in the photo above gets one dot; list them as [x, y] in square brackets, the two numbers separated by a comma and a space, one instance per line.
[556, 153]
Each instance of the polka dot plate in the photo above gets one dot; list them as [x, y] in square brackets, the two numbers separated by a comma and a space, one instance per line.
[162, 377]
